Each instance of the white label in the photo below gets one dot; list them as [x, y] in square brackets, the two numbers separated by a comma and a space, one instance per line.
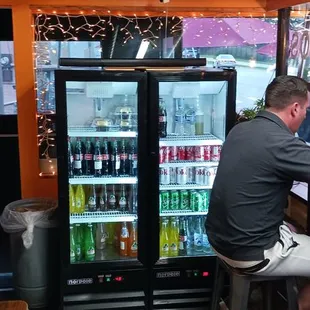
[77, 164]
[123, 245]
[91, 251]
[181, 247]
[117, 163]
[198, 239]
[134, 246]
[98, 165]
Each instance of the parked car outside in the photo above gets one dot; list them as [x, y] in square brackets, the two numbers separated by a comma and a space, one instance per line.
[225, 61]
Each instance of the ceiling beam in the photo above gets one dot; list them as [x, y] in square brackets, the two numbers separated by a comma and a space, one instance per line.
[281, 4]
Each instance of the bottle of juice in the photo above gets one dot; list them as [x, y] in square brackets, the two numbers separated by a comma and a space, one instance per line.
[133, 240]
[173, 238]
[164, 239]
[89, 244]
[124, 240]
[79, 199]
[72, 246]
[71, 199]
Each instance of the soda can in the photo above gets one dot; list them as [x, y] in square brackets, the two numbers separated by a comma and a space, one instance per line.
[182, 174]
[164, 176]
[199, 153]
[190, 153]
[181, 153]
[164, 201]
[205, 199]
[207, 152]
[164, 154]
[216, 152]
[200, 175]
[174, 200]
[184, 200]
[173, 175]
[190, 175]
[210, 173]
[173, 153]
[196, 201]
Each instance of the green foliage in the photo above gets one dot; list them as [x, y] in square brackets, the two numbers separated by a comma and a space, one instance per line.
[250, 113]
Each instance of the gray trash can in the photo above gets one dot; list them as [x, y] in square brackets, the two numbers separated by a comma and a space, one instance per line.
[33, 241]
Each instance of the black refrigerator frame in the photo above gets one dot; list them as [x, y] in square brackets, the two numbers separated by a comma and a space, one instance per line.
[82, 278]
[180, 281]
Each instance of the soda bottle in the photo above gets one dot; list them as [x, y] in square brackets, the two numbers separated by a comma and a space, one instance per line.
[173, 238]
[88, 158]
[78, 157]
[183, 237]
[79, 199]
[123, 158]
[133, 240]
[112, 199]
[133, 199]
[115, 160]
[190, 118]
[190, 235]
[101, 236]
[124, 240]
[105, 158]
[71, 199]
[132, 159]
[72, 245]
[117, 234]
[199, 123]
[92, 199]
[180, 118]
[162, 119]
[122, 199]
[89, 244]
[164, 239]
[103, 198]
[97, 159]
[78, 242]
[70, 159]
[198, 235]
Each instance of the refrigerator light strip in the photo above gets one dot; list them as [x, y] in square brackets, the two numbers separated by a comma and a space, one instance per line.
[103, 180]
[182, 213]
[174, 140]
[183, 186]
[102, 217]
[102, 134]
[187, 163]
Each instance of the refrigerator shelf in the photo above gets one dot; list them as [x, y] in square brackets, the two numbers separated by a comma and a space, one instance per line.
[187, 163]
[102, 217]
[103, 180]
[183, 186]
[91, 132]
[174, 140]
[182, 213]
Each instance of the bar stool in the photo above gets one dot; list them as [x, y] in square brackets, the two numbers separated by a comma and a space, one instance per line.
[240, 288]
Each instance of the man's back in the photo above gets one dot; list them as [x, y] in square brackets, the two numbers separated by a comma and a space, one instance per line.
[251, 187]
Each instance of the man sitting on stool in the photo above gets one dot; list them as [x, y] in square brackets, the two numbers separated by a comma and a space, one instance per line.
[260, 159]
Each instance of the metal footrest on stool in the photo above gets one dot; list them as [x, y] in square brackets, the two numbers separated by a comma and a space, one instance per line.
[240, 288]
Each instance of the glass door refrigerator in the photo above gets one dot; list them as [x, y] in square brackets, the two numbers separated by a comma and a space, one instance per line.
[101, 141]
[191, 112]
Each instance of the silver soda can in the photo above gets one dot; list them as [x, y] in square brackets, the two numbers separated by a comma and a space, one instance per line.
[182, 175]
[190, 175]
[164, 176]
[200, 175]
[210, 173]
[173, 175]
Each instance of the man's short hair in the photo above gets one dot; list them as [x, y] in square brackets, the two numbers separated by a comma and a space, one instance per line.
[285, 90]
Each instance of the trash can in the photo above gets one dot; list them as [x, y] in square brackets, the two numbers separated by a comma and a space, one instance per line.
[32, 226]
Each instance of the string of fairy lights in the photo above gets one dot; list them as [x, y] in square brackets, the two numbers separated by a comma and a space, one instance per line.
[98, 27]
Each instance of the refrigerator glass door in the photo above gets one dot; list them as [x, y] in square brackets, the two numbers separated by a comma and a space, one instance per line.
[102, 170]
[192, 118]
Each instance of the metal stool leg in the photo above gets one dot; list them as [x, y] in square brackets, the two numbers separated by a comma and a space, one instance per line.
[292, 292]
[218, 287]
[239, 292]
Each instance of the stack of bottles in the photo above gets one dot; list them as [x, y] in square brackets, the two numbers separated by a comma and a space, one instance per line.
[91, 198]
[183, 236]
[95, 241]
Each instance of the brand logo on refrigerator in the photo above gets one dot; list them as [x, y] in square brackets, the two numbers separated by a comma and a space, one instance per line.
[169, 274]
[84, 281]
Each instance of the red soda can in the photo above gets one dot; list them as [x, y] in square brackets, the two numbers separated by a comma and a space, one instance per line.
[199, 153]
[207, 152]
[164, 154]
[173, 153]
[181, 153]
[190, 153]
[216, 152]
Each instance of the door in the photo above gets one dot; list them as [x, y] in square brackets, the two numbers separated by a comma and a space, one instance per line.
[191, 114]
[101, 121]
